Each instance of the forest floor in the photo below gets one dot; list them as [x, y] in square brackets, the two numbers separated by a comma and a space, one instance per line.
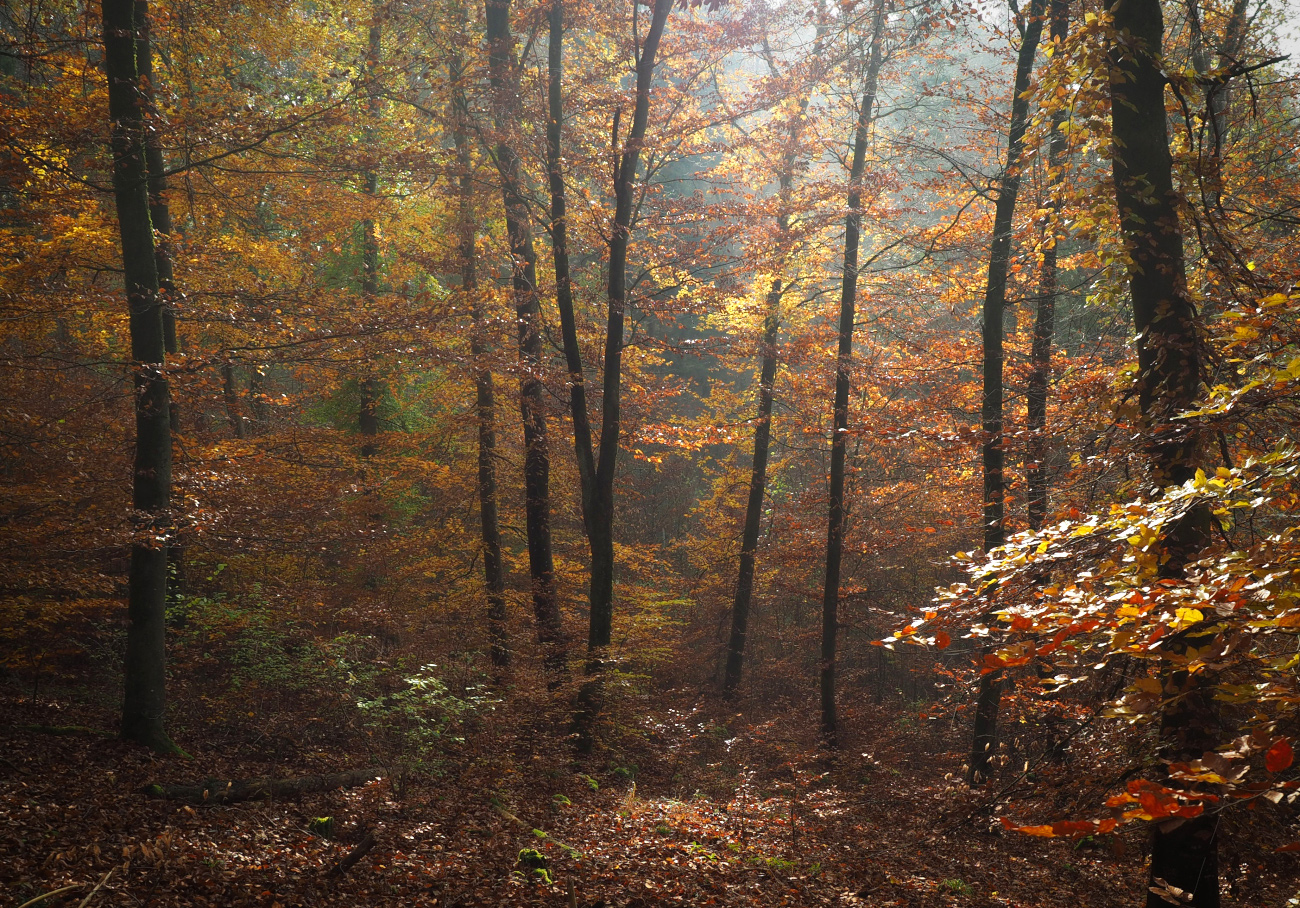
[695, 806]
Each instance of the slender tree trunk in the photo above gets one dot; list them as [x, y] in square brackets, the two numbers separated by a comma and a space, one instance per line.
[1215, 91]
[598, 505]
[843, 371]
[1169, 368]
[560, 249]
[144, 700]
[159, 213]
[504, 78]
[984, 737]
[741, 606]
[1040, 373]
[161, 218]
[601, 518]
[368, 411]
[494, 580]
[757, 484]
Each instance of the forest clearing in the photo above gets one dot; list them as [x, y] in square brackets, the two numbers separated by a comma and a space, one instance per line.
[655, 452]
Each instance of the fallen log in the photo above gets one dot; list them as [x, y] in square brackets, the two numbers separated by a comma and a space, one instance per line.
[217, 791]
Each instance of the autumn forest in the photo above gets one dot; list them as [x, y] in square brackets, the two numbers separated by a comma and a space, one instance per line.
[649, 452]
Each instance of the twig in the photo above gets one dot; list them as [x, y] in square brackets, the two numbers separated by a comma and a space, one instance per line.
[102, 881]
[41, 898]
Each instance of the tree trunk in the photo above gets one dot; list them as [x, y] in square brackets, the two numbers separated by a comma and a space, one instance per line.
[598, 506]
[1215, 91]
[601, 518]
[368, 411]
[843, 369]
[159, 213]
[504, 77]
[984, 737]
[144, 700]
[757, 483]
[560, 251]
[1168, 379]
[1040, 373]
[740, 609]
[484, 393]
[161, 219]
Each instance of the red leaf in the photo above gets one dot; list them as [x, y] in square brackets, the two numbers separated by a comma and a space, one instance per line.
[1279, 756]
[941, 640]
[1294, 846]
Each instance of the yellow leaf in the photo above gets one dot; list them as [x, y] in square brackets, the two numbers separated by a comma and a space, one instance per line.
[1189, 615]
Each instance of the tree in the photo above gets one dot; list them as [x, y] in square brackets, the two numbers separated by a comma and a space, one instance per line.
[368, 412]
[560, 252]
[766, 387]
[144, 701]
[484, 393]
[984, 735]
[1168, 380]
[1040, 373]
[505, 87]
[601, 517]
[843, 372]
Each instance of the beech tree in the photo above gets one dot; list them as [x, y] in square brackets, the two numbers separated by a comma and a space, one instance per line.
[503, 69]
[144, 701]
[1168, 381]
[993, 455]
[843, 374]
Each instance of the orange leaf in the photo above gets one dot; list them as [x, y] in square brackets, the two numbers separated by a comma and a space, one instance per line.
[1279, 756]
[941, 640]
[1294, 846]
[1073, 827]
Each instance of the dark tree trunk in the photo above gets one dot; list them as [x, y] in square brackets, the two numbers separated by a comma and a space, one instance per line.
[560, 249]
[843, 370]
[504, 78]
[741, 606]
[601, 517]
[144, 700]
[757, 484]
[1040, 373]
[598, 506]
[161, 218]
[368, 411]
[1169, 368]
[494, 580]
[159, 213]
[984, 737]
[1215, 91]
